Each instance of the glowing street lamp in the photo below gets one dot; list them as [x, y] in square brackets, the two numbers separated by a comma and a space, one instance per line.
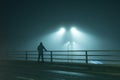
[74, 31]
[62, 30]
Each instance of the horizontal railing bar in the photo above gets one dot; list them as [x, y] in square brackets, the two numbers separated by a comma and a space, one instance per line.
[84, 51]
[16, 54]
[53, 54]
[18, 51]
[67, 59]
[17, 57]
[70, 51]
[66, 55]
[32, 57]
[32, 54]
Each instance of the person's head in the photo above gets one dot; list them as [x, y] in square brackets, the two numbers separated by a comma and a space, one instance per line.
[41, 43]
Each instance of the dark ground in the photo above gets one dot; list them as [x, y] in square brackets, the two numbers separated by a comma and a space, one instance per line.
[19, 70]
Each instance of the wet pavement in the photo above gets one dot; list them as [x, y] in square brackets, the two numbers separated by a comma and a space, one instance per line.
[57, 75]
[47, 72]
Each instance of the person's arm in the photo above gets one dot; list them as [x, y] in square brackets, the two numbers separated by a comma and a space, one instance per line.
[44, 48]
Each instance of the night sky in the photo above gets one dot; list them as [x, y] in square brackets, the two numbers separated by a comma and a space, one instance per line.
[27, 22]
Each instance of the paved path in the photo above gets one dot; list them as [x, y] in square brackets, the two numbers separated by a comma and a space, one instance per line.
[47, 72]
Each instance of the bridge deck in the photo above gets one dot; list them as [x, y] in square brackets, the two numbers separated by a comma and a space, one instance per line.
[22, 70]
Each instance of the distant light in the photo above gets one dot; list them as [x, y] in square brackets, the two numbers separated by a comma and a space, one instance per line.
[74, 43]
[74, 31]
[61, 31]
[71, 45]
[68, 43]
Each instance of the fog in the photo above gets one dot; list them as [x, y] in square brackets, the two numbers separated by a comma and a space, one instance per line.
[31, 22]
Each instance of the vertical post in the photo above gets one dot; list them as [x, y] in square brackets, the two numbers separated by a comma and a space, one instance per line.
[86, 55]
[26, 55]
[51, 56]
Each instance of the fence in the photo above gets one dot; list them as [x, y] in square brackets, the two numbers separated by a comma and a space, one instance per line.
[72, 56]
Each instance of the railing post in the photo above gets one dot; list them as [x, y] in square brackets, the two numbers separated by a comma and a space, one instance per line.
[26, 55]
[51, 56]
[86, 55]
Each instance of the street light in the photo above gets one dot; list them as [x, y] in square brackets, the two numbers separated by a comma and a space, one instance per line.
[74, 31]
[61, 31]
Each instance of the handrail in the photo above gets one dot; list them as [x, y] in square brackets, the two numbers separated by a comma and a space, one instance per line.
[67, 50]
[85, 53]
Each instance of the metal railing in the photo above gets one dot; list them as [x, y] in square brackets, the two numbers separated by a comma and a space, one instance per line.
[79, 56]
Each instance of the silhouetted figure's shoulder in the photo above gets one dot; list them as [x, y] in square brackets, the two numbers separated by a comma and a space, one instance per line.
[41, 47]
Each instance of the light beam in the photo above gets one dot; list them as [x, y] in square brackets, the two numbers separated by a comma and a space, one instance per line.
[61, 31]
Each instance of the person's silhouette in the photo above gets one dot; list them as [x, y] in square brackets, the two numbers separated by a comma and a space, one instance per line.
[41, 48]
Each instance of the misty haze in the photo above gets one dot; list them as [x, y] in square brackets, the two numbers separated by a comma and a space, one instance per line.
[60, 40]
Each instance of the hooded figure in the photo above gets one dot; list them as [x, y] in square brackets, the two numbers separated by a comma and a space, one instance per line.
[40, 49]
